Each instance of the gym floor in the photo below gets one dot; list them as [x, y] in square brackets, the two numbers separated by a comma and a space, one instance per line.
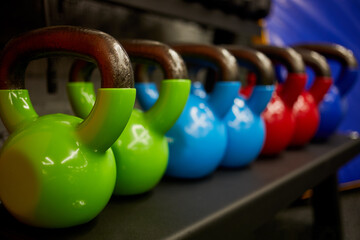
[295, 223]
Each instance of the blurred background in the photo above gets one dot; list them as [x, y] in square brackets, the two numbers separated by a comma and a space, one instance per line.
[243, 22]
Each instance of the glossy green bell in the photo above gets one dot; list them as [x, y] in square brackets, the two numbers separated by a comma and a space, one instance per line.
[58, 170]
[141, 152]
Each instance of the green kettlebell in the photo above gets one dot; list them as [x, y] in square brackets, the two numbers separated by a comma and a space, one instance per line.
[58, 170]
[141, 152]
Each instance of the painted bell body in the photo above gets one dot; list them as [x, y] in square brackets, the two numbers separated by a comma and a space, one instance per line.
[306, 119]
[306, 107]
[279, 125]
[46, 166]
[333, 107]
[306, 110]
[58, 170]
[278, 116]
[244, 125]
[141, 152]
[198, 140]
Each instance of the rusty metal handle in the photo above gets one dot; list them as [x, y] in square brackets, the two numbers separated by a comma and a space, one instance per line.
[216, 57]
[256, 61]
[321, 68]
[333, 51]
[284, 55]
[153, 52]
[87, 44]
[314, 60]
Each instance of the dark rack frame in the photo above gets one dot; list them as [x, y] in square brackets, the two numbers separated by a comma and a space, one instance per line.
[193, 12]
[229, 203]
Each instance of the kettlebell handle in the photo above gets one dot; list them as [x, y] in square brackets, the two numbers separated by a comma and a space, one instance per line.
[261, 66]
[349, 67]
[144, 52]
[285, 56]
[90, 45]
[333, 51]
[217, 58]
[255, 61]
[294, 64]
[174, 90]
[314, 60]
[173, 95]
[319, 65]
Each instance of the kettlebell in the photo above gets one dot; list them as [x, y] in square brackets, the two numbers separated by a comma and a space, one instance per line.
[305, 109]
[278, 115]
[197, 141]
[141, 152]
[58, 170]
[333, 107]
[244, 124]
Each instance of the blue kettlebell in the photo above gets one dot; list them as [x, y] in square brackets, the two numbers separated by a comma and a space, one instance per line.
[333, 107]
[246, 128]
[244, 124]
[198, 140]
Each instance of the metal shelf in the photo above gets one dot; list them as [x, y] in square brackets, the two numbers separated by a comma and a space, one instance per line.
[229, 203]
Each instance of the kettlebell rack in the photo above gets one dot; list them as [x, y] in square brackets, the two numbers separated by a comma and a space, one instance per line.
[229, 203]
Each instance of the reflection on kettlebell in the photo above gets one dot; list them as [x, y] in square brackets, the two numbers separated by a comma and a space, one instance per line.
[141, 152]
[58, 170]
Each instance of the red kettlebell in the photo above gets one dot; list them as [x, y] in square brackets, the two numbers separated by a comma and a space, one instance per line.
[278, 115]
[306, 112]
